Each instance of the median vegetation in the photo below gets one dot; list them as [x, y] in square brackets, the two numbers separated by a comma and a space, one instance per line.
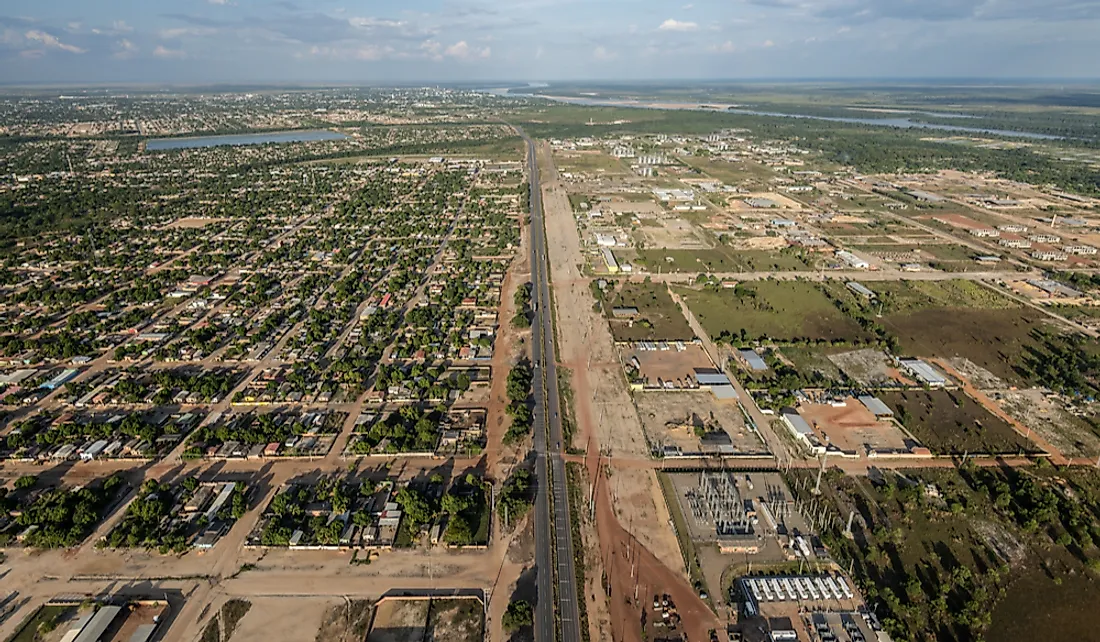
[522, 298]
[519, 408]
[516, 496]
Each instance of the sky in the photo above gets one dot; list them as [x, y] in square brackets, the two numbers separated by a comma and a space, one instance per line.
[409, 41]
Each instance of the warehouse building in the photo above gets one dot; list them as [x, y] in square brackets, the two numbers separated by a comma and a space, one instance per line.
[852, 260]
[925, 373]
[756, 363]
[876, 406]
[609, 260]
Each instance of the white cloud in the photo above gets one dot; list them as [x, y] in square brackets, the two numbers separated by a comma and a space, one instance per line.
[120, 26]
[367, 53]
[124, 50]
[676, 25]
[373, 23]
[725, 47]
[601, 53]
[51, 42]
[463, 51]
[163, 52]
[218, 2]
[769, 43]
[688, 7]
[186, 32]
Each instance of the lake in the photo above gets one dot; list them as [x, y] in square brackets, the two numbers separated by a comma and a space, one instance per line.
[305, 136]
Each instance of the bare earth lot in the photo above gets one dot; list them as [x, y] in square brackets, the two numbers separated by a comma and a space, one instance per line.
[1071, 435]
[665, 414]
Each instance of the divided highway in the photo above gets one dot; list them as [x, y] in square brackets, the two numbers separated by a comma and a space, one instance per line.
[553, 545]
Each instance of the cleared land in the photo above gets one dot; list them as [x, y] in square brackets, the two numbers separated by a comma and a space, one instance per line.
[658, 318]
[720, 259]
[952, 423]
[421, 619]
[689, 419]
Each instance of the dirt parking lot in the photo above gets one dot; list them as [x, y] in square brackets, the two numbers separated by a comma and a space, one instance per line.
[671, 365]
[853, 428]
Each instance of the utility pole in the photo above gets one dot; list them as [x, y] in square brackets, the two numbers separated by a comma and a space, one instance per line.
[820, 472]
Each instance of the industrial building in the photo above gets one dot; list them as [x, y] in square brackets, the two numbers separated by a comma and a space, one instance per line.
[756, 363]
[1055, 289]
[925, 373]
[860, 289]
[609, 260]
[66, 375]
[713, 380]
[852, 260]
[801, 431]
[925, 197]
[875, 405]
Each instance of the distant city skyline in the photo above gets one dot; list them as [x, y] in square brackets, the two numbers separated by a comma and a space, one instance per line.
[361, 41]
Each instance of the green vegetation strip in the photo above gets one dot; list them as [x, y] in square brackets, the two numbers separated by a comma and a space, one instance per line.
[575, 473]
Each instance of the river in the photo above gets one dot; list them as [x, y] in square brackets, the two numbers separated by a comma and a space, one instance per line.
[897, 122]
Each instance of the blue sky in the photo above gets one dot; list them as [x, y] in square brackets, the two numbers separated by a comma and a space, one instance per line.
[198, 41]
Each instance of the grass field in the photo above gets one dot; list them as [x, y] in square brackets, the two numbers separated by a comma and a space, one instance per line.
[959, 318]
[721, 259]
[952, 423]
[993, 339]
[732, 173]
[906, 296]
[659, 318]
[592, 162]
[779, 310]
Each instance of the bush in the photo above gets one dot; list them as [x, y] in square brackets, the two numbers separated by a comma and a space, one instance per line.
[518, 615]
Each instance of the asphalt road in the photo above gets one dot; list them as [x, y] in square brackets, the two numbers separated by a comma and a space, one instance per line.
[553, 546]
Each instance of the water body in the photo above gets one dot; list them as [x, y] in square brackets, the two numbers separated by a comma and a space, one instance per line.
[898, 122]
[161, 144]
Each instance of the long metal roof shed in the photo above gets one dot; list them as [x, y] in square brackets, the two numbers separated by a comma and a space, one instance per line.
[710, 377]
[754, 360]
[98, 626]
[796, 422]
[876, 406]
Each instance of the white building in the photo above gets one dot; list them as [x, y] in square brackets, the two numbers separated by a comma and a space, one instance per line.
[852, 260]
